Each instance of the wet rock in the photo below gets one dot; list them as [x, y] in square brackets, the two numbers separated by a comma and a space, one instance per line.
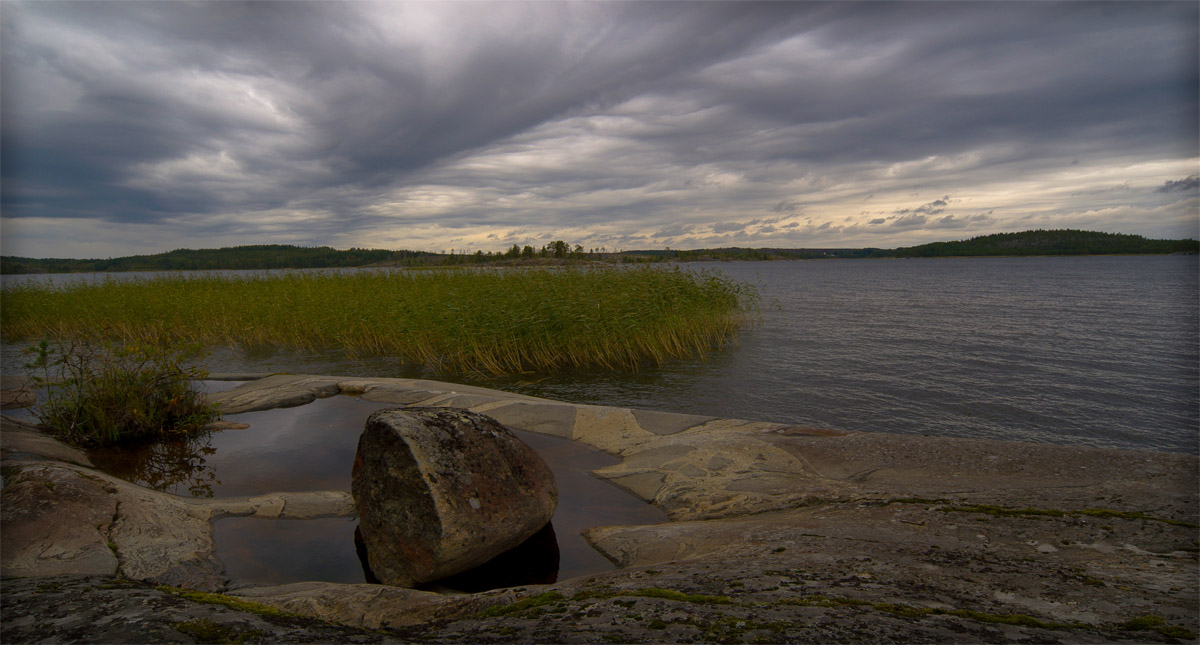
[20, 398]
[21, 440]
[102, 609]
[277, 391]
[58, 518]
[16, 392]
[442, 490]
[216, 426]
[55, 522]
[788, 535]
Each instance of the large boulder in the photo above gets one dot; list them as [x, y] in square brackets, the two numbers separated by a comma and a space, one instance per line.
[442, 490]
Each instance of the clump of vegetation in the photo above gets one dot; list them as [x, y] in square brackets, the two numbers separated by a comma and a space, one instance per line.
[524, 604]
[1158, 624]
[474, 321]
[101, 393]
[209, 598]
[207, 631]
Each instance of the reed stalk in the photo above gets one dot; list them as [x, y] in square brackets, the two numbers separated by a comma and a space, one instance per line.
[473, 321]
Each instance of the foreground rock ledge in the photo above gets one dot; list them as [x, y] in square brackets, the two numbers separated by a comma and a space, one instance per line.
[778, 533]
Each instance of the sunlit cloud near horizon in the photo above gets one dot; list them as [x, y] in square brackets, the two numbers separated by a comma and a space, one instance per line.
[130, 128]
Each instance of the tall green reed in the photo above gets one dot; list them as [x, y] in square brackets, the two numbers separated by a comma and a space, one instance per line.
[489, 321]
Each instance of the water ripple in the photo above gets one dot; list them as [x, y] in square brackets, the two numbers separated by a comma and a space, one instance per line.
[1101, 351]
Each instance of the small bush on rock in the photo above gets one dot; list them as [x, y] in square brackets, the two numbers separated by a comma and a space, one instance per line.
[103, 393]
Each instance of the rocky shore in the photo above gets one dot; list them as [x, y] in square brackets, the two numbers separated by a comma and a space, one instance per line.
[777, 533]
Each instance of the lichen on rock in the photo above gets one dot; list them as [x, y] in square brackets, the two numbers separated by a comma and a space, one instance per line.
[442, 490]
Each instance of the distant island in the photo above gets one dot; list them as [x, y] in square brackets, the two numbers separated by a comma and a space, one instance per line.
[1061, 242]
[283, 256]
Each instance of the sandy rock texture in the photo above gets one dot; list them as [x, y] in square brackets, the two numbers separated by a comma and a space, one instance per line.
[777, 534]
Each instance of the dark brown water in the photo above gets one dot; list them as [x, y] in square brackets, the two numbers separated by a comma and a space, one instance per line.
[311, 447]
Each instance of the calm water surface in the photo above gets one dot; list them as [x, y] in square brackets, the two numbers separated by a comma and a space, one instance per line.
[1101, 351]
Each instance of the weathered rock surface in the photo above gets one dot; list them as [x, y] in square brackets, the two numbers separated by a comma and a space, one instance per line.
[275, 391]
[21, 440]
[102, 609]
[440, 491]
[16, 392]
[21, 398]
[289, 390]
[59, 516]
[373, 606]
[778, 534]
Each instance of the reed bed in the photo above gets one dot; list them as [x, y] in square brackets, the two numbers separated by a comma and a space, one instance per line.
[472, 321]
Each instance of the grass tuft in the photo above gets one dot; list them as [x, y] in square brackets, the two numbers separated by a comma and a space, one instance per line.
[1158, 624]
[208, 598]
[525, 604]
[100, 393]
[204, 630]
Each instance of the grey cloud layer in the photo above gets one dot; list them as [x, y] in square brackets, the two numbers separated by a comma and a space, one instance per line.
[638, 121]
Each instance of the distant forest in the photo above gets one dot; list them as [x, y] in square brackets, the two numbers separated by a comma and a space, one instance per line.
[1062, 242]
[281, 256]
[261, 256]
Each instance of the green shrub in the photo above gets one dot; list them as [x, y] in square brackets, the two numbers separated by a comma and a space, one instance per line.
[101, 393]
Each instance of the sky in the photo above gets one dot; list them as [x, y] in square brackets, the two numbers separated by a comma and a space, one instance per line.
[132, 128]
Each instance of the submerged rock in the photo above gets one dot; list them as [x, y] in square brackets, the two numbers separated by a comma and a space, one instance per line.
[442, 490]
[20, 398]
[16, 391]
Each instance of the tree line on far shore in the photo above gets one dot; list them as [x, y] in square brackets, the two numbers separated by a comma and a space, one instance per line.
[1040, 242]
[282, 256]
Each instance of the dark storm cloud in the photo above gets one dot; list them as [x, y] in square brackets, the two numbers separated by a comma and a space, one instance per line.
[953, 221]
[906, 222]
[674, 231]
[932, 208]
[322, 121]
[727, 227]
[365, 108]
[1185, 185]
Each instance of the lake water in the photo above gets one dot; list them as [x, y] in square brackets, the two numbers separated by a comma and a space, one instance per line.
[1099, 351]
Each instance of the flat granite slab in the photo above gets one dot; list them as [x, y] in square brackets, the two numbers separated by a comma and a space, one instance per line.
[777, 533]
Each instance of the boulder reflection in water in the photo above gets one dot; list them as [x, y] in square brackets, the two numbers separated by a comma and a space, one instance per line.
[533, 562]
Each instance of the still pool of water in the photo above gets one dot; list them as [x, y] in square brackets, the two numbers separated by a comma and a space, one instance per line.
[311, 447]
